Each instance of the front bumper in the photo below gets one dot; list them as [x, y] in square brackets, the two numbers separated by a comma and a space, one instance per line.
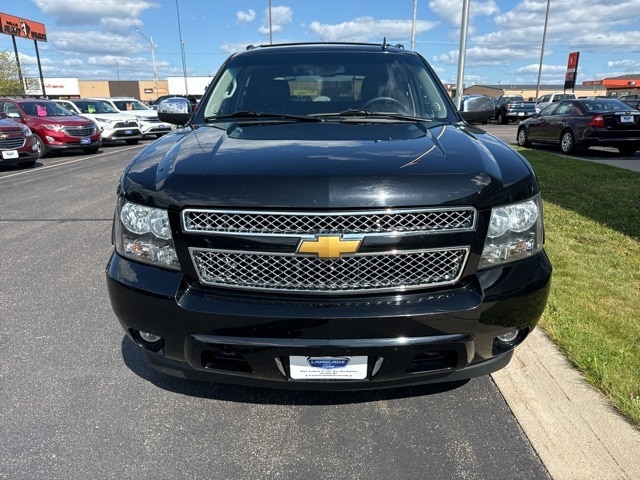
[61, 145]
[407, 338]
[121, 134]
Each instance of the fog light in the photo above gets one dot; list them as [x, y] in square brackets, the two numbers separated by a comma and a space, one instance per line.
[149, 337]
[508, 337]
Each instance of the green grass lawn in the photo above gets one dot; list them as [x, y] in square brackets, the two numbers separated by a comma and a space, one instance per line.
[592, 221]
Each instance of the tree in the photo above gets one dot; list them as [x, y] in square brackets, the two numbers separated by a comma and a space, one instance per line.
[9, 76]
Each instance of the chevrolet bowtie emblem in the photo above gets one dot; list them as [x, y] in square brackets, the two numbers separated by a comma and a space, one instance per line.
[329, 246]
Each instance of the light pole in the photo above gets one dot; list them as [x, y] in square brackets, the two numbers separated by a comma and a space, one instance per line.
[153, 59]
[544, 37]
[463, 53]
[184, 61]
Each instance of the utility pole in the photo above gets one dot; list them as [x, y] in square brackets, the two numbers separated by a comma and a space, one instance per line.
[153, 59]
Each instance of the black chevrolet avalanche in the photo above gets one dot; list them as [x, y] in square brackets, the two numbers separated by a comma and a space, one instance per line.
[327, 220]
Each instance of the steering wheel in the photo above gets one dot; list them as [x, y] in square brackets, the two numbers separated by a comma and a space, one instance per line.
[381, 100]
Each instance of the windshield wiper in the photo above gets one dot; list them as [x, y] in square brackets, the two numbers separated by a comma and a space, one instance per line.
[381, 115]
[252, 114]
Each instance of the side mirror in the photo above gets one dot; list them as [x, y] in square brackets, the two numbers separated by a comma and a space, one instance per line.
[174, 110]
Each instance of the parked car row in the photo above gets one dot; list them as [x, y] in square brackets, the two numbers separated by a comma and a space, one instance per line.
[583, 123]
[31, 128]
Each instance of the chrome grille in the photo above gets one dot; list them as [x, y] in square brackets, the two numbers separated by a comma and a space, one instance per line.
[126, 124]
[296, 223]
[348, 274]
[11, 143]
[80, 131]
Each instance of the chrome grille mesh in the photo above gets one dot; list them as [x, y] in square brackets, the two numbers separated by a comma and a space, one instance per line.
[286, 271]
[80, 131]
[126, 124]
[11, 143]
[357, 273]
[285, 223]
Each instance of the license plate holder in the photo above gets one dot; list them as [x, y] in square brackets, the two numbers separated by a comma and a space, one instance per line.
[328, 368]
[10, 154]
[85, 141]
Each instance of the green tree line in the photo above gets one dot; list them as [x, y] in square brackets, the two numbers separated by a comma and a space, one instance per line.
[9, 76]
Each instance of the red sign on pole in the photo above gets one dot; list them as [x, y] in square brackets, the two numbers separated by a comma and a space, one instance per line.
[572, 71]
[21, 27]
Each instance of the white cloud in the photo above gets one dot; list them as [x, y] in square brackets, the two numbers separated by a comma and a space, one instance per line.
[365, 29]
[452, 10]
[91, 12]
[483, 56]
[533, 68]
[96, 42]
[279, 16]
[245, 17]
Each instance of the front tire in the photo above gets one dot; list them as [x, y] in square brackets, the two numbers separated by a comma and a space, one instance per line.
[567, 142]
[42, 148]
[502, 119]
[523, 138]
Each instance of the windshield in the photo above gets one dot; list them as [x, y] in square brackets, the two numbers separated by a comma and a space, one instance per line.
[327, 83]
[130, 104]
[94, 106]
[45, 109]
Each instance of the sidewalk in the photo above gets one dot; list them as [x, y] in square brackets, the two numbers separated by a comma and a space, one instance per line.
[571, 425]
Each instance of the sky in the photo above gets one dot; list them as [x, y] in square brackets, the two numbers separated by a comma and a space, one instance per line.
[112, 39]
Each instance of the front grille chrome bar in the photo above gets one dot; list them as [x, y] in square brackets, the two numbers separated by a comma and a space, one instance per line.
[358, 273]
[376, 222]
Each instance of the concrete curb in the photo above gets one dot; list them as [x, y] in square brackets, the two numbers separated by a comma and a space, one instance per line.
[572, 426]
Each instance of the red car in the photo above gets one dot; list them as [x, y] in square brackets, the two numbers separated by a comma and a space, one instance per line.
[17, 143]
[55, 128]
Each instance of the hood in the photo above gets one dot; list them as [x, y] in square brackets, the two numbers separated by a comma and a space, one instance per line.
[68, 120]
[328, 165]
[141, 113]
[115, 117]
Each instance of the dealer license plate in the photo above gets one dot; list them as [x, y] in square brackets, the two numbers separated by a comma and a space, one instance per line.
[329, 368]
[626, 119]
[128, 132]
[85, 141]
[10, 154]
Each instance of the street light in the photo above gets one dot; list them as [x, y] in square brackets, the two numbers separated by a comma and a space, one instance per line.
[153, 59]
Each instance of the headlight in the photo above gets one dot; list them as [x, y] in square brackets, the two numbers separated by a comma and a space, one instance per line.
[515, 232]
[53, 126]
[26, 130]
[143, 233]
[102, 120]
